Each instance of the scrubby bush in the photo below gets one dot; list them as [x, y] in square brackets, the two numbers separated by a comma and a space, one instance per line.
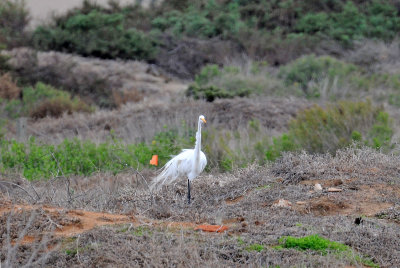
[215, 82]
[334, 79]
[14, 17]
[207, 21]
[319, 130]
[303, 71]
[43, 100]
[95, 34]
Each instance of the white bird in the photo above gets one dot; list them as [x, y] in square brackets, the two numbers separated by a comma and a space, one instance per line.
[189, 163]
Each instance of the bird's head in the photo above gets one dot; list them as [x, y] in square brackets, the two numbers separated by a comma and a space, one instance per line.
[202, 119]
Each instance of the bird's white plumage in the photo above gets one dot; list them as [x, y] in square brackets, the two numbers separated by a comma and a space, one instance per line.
[189, 163]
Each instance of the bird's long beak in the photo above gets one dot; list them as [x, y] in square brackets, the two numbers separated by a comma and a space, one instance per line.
[204, 121]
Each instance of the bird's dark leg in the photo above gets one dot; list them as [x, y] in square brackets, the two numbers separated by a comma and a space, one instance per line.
[188, 191]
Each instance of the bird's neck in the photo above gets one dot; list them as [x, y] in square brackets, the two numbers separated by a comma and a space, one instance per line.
[197, 147]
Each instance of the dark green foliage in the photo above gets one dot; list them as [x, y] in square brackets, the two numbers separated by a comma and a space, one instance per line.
[207, 21]
[210, 93]
[261, 28]
[96, 34]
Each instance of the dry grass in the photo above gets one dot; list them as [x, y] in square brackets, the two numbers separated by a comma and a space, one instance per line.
[140, 122]
[57, 107]
[376, 56]
[22, 241]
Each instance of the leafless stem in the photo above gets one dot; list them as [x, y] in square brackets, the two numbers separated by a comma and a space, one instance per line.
[67, 181]
[20, 187]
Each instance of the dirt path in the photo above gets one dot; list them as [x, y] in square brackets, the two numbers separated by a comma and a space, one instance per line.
[73, 222]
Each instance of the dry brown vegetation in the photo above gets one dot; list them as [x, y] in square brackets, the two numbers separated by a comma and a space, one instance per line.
[141, 121]
[57, 107]
[243, 201]
[8, 89]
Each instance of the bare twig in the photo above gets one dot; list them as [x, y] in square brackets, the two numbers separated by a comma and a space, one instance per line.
[68, 183]
[54, 223]
[20, 187]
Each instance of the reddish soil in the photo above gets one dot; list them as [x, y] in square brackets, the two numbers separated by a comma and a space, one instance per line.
[80, 221]
[212, 228]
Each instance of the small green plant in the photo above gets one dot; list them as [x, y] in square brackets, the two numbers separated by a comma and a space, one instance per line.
[263, 187]
[323, 245]
[313, 242]
[255, 247]
[139, 231]
[240, 241]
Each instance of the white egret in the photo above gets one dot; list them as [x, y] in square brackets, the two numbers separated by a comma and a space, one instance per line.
[189, 163]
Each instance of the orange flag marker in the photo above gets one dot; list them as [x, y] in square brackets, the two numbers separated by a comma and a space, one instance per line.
[154, 160]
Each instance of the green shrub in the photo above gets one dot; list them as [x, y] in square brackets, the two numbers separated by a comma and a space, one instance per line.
[207, 73]
[284, 143]
[95, 34]
[211, 20]
[321, 130]
[311, 68]
[334, 79]
[214, 82]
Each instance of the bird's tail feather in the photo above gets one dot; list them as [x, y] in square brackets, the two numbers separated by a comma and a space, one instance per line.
[169, 174]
